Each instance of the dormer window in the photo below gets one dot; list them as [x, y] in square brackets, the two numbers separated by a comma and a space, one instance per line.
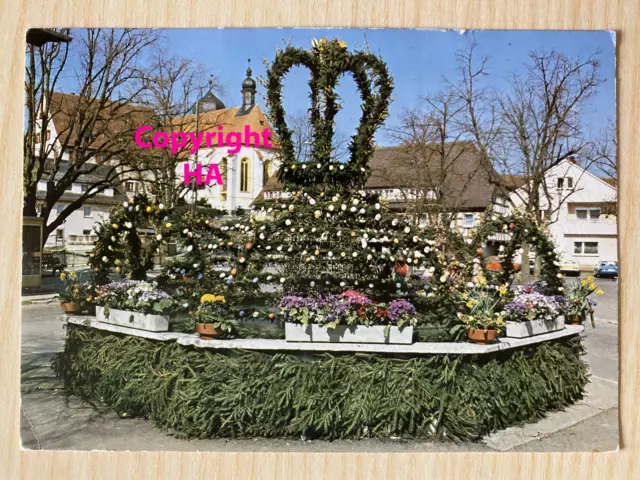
[565, 182]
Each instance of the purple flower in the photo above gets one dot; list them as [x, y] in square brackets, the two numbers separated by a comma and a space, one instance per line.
[398, 308]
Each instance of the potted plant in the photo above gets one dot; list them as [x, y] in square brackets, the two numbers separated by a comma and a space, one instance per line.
[72, 295]
[481, 316]
[578, 301]
[533, 312]
[134, 304]
[350, 317]
[212, 317]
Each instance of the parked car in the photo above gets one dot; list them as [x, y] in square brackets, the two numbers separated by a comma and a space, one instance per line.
[606, 269]
[570, 268]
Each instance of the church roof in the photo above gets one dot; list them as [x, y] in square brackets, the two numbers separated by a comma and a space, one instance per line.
[230, 121]
[209, 102]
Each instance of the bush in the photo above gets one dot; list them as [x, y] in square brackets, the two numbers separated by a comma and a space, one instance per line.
[202, 393]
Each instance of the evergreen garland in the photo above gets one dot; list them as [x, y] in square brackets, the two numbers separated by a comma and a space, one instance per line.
[120, 246]
[327, 61]
[202, 393]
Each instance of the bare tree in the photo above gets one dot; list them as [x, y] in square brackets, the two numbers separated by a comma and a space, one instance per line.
[535, 124]
[605, 153]
[432, 145]
[530, 127]
[93, 138]
[303, 136]
[170, 87]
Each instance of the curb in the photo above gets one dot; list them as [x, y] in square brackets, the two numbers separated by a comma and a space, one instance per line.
[601, 395]
[37, 299]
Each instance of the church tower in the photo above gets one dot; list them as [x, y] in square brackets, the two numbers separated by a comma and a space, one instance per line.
[248, 93]
[209, 102]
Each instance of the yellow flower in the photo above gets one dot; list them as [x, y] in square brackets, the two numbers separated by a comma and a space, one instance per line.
[63, 276]
[117, 262]
[502, 290]
[89, 298]
[599, 291]
[115, 226]
[73, 275]
[590, 279]
[211, 298]
[148, 209]
[118, 269]
[343, 44]
[465, 296]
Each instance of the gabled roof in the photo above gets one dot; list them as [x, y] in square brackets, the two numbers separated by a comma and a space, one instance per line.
[468, 184]
[255, 119]
[115, 119]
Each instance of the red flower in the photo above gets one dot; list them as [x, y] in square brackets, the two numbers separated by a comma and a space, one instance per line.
[354, 296]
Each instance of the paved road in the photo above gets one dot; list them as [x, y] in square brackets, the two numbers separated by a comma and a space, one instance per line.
[50, 422]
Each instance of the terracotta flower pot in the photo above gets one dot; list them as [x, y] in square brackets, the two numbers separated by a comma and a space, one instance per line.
[576, 319]
[71, 307]
[482, 337]
[207, 331]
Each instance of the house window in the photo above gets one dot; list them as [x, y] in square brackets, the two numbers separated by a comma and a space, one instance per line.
[223, 173]
[131, 186]
[60, 235]
[87, 212]
[37, 138]
[244, 175]
[86, 232]
[560, 183]
[569, 182]
[202, 185]
[266, 171]
[585, 248]
[590, 214]
[48, 134]
[468, 220]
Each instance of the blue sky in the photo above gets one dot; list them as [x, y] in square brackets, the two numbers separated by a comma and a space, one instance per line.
[419, 60]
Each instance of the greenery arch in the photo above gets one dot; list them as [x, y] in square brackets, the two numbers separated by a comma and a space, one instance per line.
[120, 246]
[327, 61]
[522, 228]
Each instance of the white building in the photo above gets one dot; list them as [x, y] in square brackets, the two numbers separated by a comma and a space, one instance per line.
[245, 172]
[581, 210]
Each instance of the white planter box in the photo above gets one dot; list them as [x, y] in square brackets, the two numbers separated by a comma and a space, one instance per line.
[534, 327]
[141, 321]
[343, 334]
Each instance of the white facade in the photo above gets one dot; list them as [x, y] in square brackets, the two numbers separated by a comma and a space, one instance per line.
[581, 214]
[258, 163]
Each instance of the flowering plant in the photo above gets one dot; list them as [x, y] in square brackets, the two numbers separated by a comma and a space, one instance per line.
[530, 303]
[578, 301]
[134, 295]
[73, 290]
[213, 310]
[349, 308]
[481, 307]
